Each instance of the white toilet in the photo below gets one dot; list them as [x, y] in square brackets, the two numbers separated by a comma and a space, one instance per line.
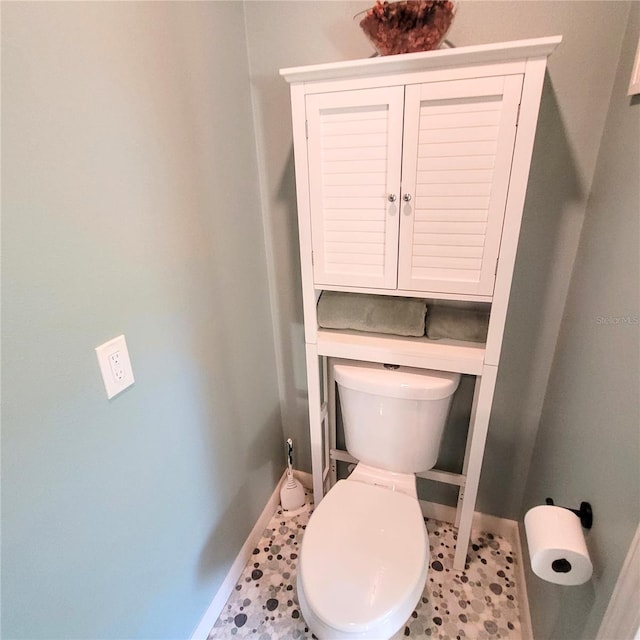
[365, 552]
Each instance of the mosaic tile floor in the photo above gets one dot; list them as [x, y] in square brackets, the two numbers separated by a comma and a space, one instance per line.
[479, 603]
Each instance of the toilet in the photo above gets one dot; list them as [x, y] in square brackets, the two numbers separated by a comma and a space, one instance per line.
[365, 552]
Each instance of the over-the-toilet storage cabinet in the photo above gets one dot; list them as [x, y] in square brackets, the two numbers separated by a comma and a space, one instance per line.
[411, 173]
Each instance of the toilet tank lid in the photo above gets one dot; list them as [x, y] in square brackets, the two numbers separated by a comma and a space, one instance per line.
[403, 382]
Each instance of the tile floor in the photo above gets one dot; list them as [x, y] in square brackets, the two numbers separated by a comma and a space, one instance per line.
[478, 603]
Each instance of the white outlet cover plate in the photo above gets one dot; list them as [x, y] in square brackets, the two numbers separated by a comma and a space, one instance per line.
[115, 383]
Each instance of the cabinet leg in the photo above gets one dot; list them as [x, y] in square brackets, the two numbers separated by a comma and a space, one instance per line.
[315, 421]
[331, 399]
[481, 411]
[459, 507]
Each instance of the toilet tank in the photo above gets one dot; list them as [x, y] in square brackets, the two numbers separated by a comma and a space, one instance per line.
[393, 418]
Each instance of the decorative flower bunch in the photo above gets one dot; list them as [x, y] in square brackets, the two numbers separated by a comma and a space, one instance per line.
[407, 26]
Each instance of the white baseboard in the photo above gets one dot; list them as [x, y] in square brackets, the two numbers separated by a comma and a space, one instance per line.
[523, 596]
[436, 511]
[481, 521]
[226, 588]
[503, 527]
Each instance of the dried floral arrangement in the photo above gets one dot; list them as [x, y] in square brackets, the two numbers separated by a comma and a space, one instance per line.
[408, 26]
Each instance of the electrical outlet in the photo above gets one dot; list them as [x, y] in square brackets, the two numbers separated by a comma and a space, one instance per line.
[115, 366]
[117, 369]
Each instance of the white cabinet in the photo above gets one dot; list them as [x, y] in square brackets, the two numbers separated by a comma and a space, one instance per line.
[411, 174]
[408, 184]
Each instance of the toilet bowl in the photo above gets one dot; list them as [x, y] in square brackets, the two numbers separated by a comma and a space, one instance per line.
[365, 552]
[372, 579]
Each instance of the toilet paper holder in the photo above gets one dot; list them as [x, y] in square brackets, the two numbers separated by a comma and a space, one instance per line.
[585, 513]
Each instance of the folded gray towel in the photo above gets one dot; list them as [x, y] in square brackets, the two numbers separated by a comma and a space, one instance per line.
[378, 314]
[457, 324]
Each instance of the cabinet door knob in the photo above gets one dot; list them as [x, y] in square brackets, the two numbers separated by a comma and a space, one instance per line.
[391, 197]
[407, 197]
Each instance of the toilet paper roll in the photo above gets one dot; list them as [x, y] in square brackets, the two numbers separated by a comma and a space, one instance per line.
[557, 547]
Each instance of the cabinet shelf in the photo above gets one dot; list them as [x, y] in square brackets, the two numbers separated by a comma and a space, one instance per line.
[443, 355]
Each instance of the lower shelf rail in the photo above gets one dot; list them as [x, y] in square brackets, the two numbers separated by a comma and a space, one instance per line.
[446, 477]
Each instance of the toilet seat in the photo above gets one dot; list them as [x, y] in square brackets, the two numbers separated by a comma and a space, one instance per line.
[364, 560]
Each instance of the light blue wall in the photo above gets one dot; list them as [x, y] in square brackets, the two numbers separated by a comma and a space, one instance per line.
[588, 445]
[130, 205]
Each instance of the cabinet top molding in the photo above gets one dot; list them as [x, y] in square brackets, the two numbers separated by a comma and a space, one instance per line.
[439, 58]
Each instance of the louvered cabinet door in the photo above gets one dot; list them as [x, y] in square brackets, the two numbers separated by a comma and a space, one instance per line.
[354, 157]
[458, 146]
